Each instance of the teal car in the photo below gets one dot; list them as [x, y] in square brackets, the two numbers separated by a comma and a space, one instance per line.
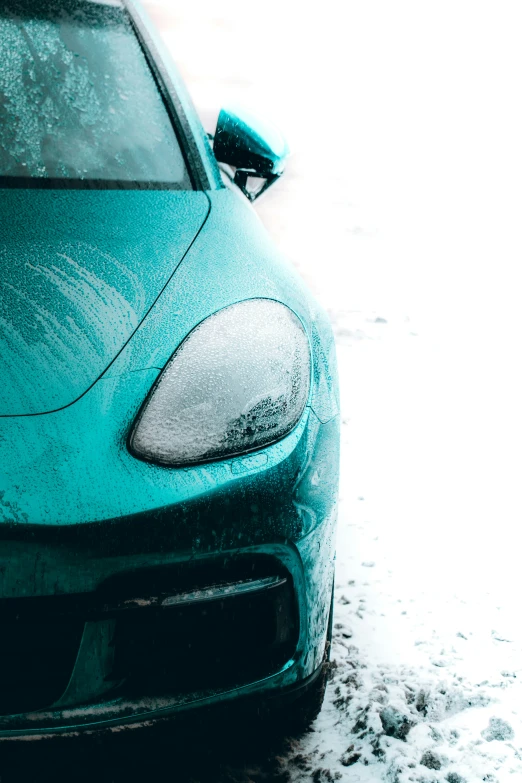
[169, 416]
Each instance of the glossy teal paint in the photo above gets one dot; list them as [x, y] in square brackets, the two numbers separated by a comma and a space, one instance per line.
[75, 506]
[80, 269]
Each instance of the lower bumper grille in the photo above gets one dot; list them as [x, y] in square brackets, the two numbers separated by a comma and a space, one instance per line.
[173, 629]
[236, 631]
[36, 661]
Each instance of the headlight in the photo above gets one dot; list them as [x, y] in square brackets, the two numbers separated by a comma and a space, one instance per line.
[240, 380]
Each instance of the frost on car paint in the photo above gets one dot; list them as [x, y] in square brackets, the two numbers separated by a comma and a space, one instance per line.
[79, 271]
[239, 381]
[78, 100]
[53, 311]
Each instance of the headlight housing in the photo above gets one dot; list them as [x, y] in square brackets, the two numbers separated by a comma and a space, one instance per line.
[240, 380]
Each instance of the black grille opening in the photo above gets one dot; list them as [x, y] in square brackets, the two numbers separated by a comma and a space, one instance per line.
[210, 643]
[37, 657]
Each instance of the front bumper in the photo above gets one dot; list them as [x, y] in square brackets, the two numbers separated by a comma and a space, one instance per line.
[278, 504]
[94, 700]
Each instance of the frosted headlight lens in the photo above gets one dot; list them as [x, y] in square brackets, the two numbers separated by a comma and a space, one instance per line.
[240, 380]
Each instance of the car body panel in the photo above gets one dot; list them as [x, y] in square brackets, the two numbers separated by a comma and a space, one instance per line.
[80, 269]
[76, 508]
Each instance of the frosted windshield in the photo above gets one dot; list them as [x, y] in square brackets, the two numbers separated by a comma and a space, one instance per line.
[78, 102]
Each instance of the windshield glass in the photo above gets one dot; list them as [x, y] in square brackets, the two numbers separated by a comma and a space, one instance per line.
[79, 106]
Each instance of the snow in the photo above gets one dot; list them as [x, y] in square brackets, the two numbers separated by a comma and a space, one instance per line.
[426, 621]
[401, 208]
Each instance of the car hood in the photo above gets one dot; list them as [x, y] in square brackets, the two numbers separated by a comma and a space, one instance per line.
[79, 270]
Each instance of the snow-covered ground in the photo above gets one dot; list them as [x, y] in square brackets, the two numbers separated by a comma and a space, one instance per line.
[401, 208]
[426, 680]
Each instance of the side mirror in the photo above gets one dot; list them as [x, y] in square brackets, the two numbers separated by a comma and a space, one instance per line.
[253, 147]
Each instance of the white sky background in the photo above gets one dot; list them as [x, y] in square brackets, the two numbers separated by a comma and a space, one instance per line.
[403, 199]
